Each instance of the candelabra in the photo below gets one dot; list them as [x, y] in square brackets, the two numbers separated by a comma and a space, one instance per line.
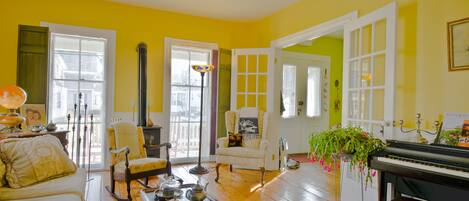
[419, 129]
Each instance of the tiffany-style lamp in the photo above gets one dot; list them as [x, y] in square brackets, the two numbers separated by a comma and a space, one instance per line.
[202, 69]
[11, 97]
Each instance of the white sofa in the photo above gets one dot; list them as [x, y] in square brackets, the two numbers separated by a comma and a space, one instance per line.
[68, 188]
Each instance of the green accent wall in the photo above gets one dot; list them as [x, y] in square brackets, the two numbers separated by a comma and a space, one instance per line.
[333, 48]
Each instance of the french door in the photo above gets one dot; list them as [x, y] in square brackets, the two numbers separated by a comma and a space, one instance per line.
[185, 104]
[369, 63]
[78, 67]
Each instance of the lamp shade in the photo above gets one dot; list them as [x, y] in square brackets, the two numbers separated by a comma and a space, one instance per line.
[203, 68]
[12, 97]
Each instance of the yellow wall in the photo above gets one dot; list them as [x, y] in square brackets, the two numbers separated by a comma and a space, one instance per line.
[422, 80]
[132, 24]
[437, 89]
[333, 48]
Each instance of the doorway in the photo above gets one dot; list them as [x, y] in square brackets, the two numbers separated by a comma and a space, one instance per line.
[307, 95]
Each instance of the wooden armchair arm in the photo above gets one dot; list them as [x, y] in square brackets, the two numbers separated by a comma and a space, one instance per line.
[159, 146]
[125, 150]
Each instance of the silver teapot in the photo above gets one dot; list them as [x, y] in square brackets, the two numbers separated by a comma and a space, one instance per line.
[197, 193]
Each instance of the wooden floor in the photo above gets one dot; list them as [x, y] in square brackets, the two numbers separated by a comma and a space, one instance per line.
[309, 182]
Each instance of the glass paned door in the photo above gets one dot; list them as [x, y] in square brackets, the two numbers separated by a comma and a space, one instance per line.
[249, 78]
[369, 63]
[185, 104]
[78, 66]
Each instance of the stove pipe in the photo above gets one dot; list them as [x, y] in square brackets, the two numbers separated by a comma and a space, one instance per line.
[142, 84]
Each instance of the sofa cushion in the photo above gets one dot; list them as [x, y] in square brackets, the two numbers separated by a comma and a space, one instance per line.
[32, 160]
[3, 172]
[244, 152]
[61, 197]
[138, 165]
[72, 184]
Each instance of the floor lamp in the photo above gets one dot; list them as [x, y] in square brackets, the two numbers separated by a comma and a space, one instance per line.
[202, 69]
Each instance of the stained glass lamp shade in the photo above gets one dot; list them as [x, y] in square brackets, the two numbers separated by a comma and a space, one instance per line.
[203, 68]
[11, 98]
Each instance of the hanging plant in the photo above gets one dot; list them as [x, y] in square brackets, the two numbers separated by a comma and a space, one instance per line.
[329, 146]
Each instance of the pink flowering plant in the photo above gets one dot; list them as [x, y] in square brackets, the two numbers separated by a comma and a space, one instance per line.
[451, 137]
[329, 146]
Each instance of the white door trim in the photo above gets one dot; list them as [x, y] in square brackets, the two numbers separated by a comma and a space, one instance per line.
[315, 31]
[110, 36]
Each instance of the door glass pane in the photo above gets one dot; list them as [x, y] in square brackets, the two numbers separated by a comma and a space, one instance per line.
[92, 67]
[289, 90]
[378, 104]
[365, 72]
[252, 63]
[313, 97]
[66, 65]
[93, 94]
[241, 83]
[180, 67]
[366, 44]
[354, 107]
[64, 96]
[379, 70]
[365, 104]
[380, 35]
[252, 83]
[354, 80]
[354, 43]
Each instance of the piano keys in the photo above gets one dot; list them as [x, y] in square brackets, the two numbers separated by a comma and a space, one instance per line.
[427, 172]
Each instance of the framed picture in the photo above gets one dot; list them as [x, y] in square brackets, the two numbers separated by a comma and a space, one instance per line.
[458, 45]
[35, 114]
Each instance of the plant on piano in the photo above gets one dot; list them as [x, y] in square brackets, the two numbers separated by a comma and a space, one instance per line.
[329, 146]
[450, 137]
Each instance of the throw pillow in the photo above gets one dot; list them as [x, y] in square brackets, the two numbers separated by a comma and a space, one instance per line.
[3, 171]
[235, 140]
[32, 160]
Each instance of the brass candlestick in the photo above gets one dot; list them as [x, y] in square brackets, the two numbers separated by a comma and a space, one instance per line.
[419, 129]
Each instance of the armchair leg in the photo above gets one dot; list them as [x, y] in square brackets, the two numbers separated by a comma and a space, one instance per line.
[262, 176]
[146, 181]
[218, 171]
[129, 196]
[231, 168]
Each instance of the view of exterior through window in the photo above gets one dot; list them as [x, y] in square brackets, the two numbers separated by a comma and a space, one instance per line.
[313, 98]
[78, 65]
[185, 103]
[289, 90]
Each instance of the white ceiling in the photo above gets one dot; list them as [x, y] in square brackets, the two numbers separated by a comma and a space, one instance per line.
[236, 10]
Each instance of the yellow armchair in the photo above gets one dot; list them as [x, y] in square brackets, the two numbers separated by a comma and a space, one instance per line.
[129, 159]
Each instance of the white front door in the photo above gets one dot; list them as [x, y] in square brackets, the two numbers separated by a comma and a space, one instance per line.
[369, 64]
[305, 98]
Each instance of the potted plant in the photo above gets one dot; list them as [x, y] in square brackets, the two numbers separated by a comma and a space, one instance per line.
[330, 146]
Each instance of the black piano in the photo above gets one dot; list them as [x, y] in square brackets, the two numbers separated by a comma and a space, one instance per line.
[422, 171]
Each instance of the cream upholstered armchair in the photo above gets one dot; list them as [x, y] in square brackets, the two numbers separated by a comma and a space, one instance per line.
[253, 150]
[129, 159]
